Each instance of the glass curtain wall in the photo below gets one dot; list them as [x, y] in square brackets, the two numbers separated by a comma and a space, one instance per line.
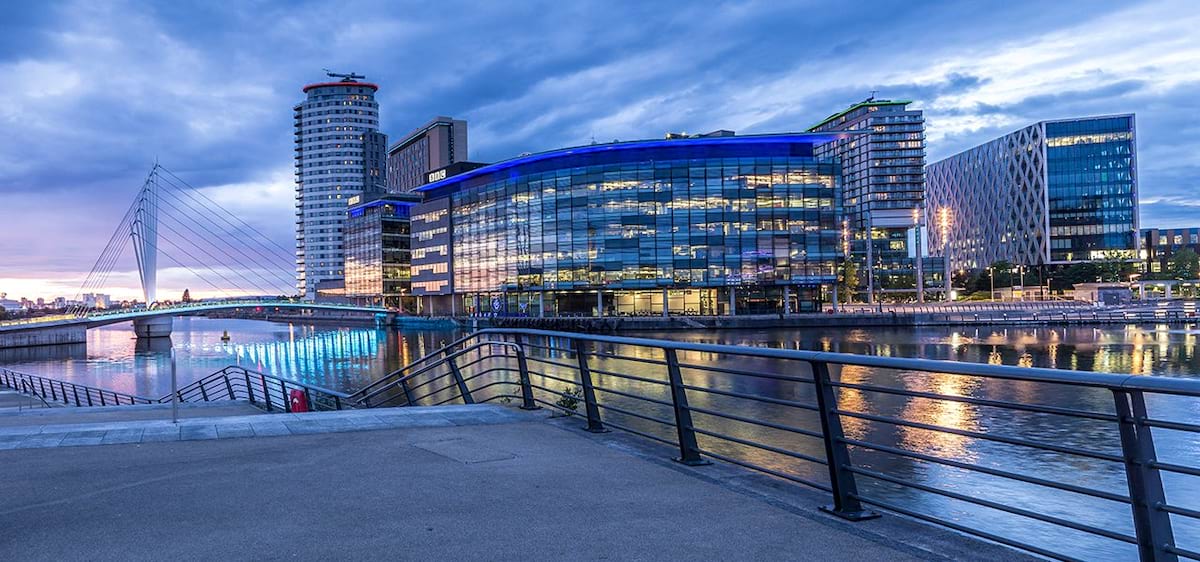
[636, 227]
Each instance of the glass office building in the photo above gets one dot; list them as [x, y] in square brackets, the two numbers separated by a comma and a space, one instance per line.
[376, 242]
[1055, 192]
[703, 225]
[883, 184]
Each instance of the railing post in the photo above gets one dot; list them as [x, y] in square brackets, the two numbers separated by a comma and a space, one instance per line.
[594, 424]
[689, 450]
[75, 391]
[203, 392]
[845, 492]
[407, 394]
[1151, 524]
[287, 402]
[88, 393]
[458, 379]
[337, 403]
[42, 383]
[53, 394]
[527, 402]
[228, 387]
[249, 389]
[266, 391]
[308, 400]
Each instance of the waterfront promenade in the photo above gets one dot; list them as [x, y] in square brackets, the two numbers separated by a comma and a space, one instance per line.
[453, 482]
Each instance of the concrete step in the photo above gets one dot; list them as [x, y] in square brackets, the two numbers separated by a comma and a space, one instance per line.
[42, 416]
[216, 420]
[13, 400]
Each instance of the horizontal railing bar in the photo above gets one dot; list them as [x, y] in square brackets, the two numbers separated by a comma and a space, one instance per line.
[965, 529]
[629, 377]
[606, 422]
[754, 397]
[760, 446]
[1171, 467]
[488, 385]
[1182, 552]
[550, 362]
[1035, 374]
[771, 471]
[623, 411]
[452, 385]
[1173, 425]
[978, 435]
[772, 425]
[624, 358]
[987, 470]
[745, 373]
[632, 396]
[425, 357]
[980, 401]
[995, 505]
[1194, 514]
[554, 378]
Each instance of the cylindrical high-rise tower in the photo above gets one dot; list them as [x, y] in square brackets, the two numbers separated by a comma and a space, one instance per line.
[333, 125]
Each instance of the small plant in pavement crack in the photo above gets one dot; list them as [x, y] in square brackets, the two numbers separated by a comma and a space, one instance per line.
[569, 400]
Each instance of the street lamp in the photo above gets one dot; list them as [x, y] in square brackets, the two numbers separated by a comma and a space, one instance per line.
[992, 275]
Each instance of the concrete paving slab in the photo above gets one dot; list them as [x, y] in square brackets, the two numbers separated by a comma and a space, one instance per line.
[234, 430]
[118, 436]
[197, 431]
[312, 497]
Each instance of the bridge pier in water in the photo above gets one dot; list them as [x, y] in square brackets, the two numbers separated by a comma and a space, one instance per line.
[154, 327]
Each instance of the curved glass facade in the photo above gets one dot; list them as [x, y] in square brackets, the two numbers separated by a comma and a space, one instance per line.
[629, 227]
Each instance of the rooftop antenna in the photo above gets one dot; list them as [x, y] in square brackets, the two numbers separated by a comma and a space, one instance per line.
[345, 77]
[872, 98]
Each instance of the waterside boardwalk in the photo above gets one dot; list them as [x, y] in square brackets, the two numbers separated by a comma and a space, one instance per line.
[454, 482]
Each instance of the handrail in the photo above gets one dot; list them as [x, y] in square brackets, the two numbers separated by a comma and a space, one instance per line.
[855, 481]
[397, 373]
[68, 393]
[269, 392]
[447, 359]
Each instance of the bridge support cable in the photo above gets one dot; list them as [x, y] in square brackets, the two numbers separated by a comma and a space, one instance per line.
[184, 265]
[253, 257]
[260, 240]
[219, 225]
[240, 282]
[107, 260]
[231, 255]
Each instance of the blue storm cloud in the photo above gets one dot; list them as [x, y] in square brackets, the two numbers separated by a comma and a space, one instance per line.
[95, 92]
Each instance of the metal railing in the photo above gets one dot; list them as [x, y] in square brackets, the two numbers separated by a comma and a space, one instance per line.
[67, 393]
[697, 398]
[268, 392]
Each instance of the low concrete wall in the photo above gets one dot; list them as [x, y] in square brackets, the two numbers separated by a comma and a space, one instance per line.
[52, 335]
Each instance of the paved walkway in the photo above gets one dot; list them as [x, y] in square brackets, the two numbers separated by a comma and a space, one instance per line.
[456, 482]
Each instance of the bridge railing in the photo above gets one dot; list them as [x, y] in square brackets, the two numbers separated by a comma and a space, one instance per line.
[815, 419]
[269, 392]
[67, 393]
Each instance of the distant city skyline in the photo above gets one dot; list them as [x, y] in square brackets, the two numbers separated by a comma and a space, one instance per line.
[99, 92]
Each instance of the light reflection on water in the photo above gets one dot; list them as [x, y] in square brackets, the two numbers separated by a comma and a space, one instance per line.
[348, 358]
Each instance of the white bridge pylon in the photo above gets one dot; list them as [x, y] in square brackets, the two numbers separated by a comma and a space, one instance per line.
[144, 231]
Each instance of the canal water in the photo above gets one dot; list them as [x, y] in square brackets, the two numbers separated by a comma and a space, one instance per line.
[348, 358]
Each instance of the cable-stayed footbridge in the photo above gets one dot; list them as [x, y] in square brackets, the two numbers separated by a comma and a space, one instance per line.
[171, 221]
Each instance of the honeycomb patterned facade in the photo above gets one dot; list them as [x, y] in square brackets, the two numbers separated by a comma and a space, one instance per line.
[1054, 192]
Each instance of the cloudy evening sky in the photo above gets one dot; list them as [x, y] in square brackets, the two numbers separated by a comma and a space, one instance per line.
[93, 92]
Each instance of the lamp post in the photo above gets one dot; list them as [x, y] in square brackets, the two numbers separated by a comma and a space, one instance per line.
[944, 226]
[992, 275]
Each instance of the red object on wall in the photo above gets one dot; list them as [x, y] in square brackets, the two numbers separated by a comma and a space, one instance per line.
[298, 401]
